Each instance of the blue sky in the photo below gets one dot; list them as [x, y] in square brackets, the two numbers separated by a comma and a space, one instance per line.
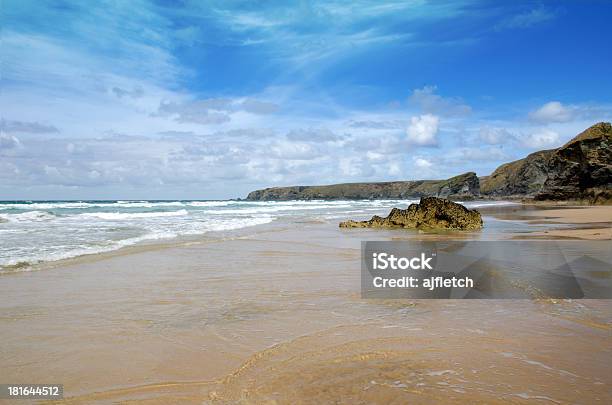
[196, 99]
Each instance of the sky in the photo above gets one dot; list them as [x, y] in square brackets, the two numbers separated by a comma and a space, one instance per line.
[213, 99]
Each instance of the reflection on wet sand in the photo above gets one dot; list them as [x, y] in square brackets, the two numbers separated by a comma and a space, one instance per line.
[276, 317]
[453, 352]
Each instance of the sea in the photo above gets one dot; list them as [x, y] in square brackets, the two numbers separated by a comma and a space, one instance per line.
[34, 232]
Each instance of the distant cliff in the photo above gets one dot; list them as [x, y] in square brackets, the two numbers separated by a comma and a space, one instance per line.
[464, 186]
[579, 170]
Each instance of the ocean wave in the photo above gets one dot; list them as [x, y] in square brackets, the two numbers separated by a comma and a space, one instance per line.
[29, 216]
[232, 224]
[132, 215]
[88, 204]
[210, 203]
[148, 204]
[44, 206]
[26, 262]
[489, 204]
[275, 209]
[327, 202]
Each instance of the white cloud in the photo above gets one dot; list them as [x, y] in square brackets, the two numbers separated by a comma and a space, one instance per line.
[26, 127]
[376, 157]
[395, 169]
[375, 124]
[136, 92]
[353, 167]
[313, 135]
[213, 110]
[544, 138]
[199, 112]
[294, 150]
[430, 102]
[423, 129]
[422, 163]
[8, 141]
[481, 154]
[552, 111]
[494, 135]
[258, 107]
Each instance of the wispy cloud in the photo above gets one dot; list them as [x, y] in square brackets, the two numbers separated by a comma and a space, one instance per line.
[430, 102]
[528, 18]
[552, 111]
[557, 112]
[543, 138]
[214, 110]
[8, 141]
[494, 135]
[26, 127]
[319, 31]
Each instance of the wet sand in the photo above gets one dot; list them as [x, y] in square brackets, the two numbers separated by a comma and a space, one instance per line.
[595, 223]
[275, 316]
[577, 215]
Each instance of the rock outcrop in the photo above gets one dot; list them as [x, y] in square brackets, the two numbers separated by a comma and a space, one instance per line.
[464, 186]
[521, 178]
[579, 170]
[582, 168]
[430, 213]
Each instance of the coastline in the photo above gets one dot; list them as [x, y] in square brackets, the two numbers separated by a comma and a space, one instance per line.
[276, 315]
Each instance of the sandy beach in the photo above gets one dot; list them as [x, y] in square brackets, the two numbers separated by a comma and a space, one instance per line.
[592, 223]
[275, 316]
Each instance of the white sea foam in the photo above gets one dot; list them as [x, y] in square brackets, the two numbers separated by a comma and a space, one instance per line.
[277, 208]
[210, 203]
[135, 215]
[85, 204]
[50, 254]
[44, 206]
[28, 216]
[480, 204]
[148, 204]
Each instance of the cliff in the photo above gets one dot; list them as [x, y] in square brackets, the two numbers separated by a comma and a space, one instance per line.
[521, 178]
[580, 170]
[464, 186]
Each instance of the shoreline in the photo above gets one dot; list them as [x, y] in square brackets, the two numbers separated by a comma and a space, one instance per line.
[143, 246]
[586, 220]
